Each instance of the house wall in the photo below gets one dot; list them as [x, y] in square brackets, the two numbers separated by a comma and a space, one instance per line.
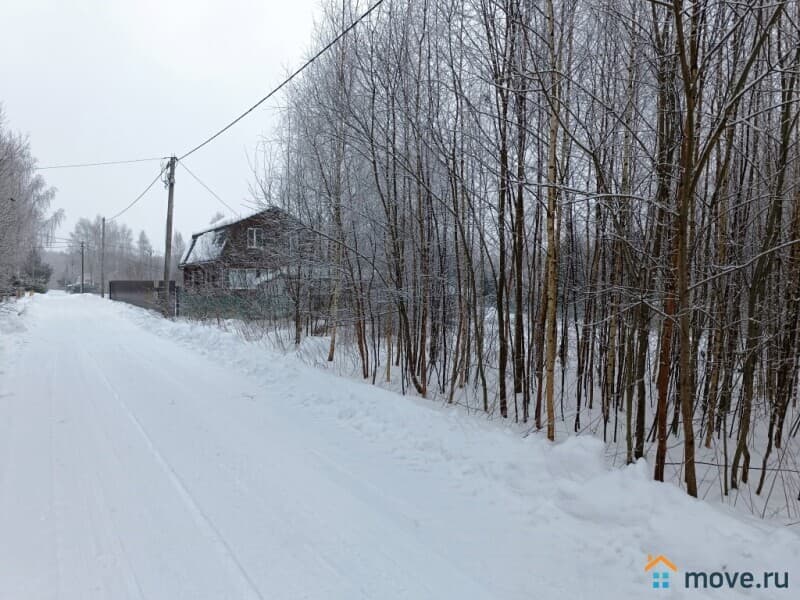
[277, 244]
[206, 276]
[281, 237]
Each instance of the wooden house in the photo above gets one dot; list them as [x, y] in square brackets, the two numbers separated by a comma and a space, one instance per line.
[241, 254]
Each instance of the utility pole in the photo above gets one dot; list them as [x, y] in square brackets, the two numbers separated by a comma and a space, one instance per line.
[103, 260]
[168, 243]
[82, 247]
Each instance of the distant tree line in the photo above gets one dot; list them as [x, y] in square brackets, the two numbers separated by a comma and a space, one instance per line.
[126, 256]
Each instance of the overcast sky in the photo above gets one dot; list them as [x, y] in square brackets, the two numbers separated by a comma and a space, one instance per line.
[101, 80]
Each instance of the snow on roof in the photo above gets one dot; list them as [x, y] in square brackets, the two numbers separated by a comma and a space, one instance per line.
[228, 221]
[206, 246]
[219, 221]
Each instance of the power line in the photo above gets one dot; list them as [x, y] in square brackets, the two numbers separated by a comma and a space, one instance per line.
[210, 191]
[285, 81]
[275, 90]
[99, 164]
[139, 197]
[132, 248]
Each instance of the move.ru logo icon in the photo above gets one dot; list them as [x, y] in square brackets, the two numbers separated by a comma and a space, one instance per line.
[659, 567]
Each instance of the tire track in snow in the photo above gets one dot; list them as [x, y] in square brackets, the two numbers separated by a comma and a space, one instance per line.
[246, 488]
[201, 519]
[344, 479]
[79, 414]
[337, 474]
[131, 578]
[56, 491]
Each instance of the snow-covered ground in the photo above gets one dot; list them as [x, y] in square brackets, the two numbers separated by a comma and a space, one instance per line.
[779, 499]
[142, 458]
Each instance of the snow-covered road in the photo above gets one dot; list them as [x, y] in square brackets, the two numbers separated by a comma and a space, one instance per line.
[133, 465]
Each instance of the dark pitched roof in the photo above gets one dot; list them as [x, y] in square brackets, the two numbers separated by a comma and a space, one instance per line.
[207, 245]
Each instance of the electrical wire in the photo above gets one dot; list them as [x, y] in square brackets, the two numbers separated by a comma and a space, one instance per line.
[274, 91]
[285, 81]
[139, 197]
[210, 191]
[99, 164]
[132, 248]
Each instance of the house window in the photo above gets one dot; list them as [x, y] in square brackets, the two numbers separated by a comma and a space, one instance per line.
[236, 279]
[255, 237]
[243, 279]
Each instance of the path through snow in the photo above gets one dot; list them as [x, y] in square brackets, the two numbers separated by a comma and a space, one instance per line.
[141, 458]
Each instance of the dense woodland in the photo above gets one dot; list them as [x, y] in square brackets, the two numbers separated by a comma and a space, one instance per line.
[579, 215]
[25, 223]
